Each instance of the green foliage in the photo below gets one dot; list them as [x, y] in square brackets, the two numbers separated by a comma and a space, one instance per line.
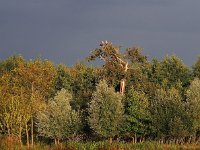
[138, 119]
[10, 64]
[62, 79]
[83, 81]
[137, 77]
[58, 121]
[168, 112]
[79, 80]
[112, 71]
[193, 101]
[196, 68]
[134, 55]
[171, 72]
[160, 100]
[106, 111]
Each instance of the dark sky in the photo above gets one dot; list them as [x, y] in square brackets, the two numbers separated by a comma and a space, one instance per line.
[65, 31]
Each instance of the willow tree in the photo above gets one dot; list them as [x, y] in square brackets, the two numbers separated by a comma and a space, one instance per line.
[193, 107]
[169, 118]
[58, 121]
[106, 111]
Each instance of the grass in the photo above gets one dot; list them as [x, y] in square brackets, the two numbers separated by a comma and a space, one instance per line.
[4, 145]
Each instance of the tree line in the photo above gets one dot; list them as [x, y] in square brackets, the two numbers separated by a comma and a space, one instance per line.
[128, 98]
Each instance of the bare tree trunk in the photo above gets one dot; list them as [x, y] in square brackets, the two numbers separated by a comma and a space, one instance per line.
[197, 140]
[20, 134]
[20, 124]
[110, 140]
[122, 86]
[122, 82]
[135, 138]
[55, 141]
[161, 141]
[27, 136]
[58, 141]
[143, 139]
[140, 139]
[32, 141]
[8, 128]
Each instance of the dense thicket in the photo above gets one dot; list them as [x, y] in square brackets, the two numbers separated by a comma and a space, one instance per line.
[128, 97]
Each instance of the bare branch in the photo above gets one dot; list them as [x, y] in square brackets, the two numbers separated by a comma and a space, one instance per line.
[102, 58]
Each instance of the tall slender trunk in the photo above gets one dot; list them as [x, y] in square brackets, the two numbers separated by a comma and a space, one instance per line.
[27, 136]
[20, 124]
[55, 141]
[20, 134]
[110, 140]
[58, 141]
[32, 135]
[8, 128]
[32, 140]
[140, 139]
[135, 138]
[122, 82]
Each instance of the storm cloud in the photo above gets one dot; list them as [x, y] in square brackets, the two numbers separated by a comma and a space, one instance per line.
[65, 31]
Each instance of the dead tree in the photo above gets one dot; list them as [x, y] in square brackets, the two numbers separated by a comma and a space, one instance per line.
[108, 53]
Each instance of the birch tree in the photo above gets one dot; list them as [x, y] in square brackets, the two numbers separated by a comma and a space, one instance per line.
[58, 121]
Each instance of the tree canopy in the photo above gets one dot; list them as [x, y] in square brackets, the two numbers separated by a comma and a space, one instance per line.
[127, 97]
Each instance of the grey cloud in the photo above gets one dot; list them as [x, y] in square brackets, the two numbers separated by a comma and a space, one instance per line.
[66, 30]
